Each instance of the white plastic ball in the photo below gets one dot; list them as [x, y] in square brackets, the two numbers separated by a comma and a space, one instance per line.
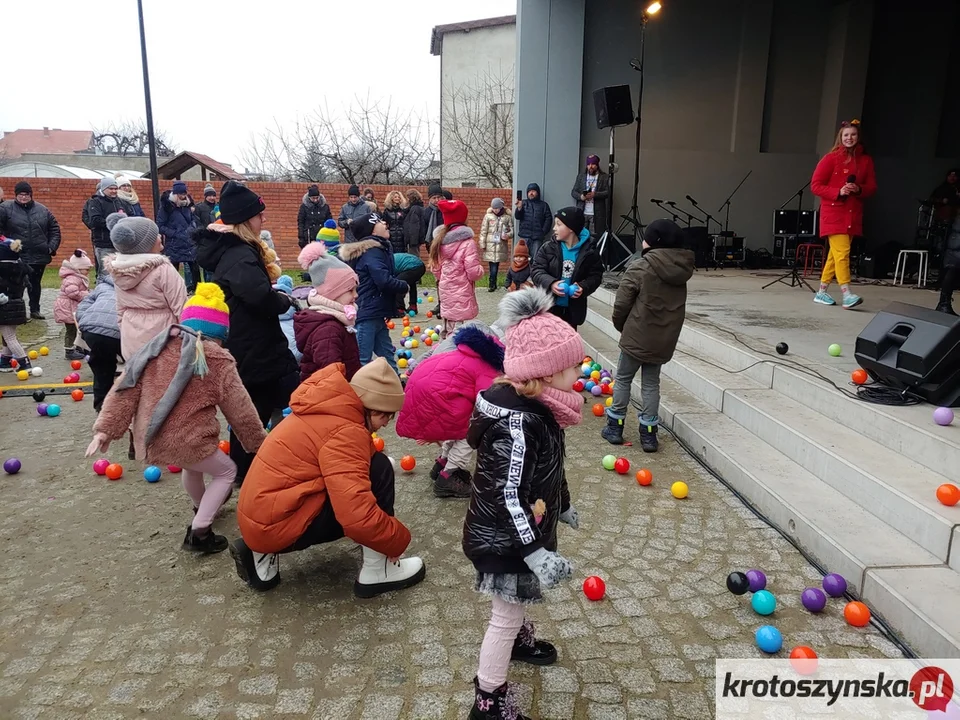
[36, 372]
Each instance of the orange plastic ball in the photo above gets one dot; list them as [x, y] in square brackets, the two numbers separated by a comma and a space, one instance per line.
[114, 471]
[856, 613]
[391, 325]
[416, 328]
[804, 660]
[948, 494]
[379, 444]
[224, 446]
[428, 341]
[429, 313]
[859, 376]
[644, 477]
[408, 462]
[77, 395]
[598, 409]
[76, 364]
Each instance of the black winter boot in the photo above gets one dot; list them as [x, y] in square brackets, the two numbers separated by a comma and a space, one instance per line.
[648, 438]
[526, 648]
[438, 467]
[946, 299]
[206, 544]
[24, 363]
[613, 431]
[455, 484]
[261, 571]
[498, 705]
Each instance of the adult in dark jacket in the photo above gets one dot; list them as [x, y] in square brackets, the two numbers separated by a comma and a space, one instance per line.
[951, 268]
[354, 209]
[569, 259]
[590, 192]
[205, 211]
[13, 311]
[177, 224]
[413, 228]
[311, 216]
[235, 257]
[129, 195]
[432, 217]
[394, 213]
[37, 229]
[533, 220]
[371, 257]
[103, 203]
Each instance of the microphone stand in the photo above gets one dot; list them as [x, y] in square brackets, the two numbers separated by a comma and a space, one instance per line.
[660, 204]
[709, 218]
[795, 279]
[726, 224]
[690, 218]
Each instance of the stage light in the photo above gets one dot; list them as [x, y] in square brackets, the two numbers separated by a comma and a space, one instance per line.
[653, 8]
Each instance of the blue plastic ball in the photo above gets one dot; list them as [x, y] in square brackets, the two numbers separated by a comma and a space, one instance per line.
[426, 292]
[419, 300]
[53, 410]
[589, 385]
[412, 313]
[769, 639]
[152, 474]
[763, 602]
[586, 369]
[287, 411]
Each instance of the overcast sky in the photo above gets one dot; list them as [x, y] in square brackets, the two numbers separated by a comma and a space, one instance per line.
[219, 69]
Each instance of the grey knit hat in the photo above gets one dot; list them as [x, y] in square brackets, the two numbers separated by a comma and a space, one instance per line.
[107, 182]
[132, 235]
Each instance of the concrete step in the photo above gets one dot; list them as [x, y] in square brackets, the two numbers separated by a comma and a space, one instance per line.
[893, 488]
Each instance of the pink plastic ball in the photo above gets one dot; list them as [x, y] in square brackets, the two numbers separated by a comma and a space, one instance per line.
[100, 466]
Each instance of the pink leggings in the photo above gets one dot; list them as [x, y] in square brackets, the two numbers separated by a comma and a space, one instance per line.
[506, 620]
[209, 499]
[11, 345]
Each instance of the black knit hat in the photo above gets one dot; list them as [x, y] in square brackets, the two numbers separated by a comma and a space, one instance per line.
[313, 191]
[362, 226]
[573, 218]
[22, 187]
[353, 190]
[663, 234]
[434, 191]
[238, 203]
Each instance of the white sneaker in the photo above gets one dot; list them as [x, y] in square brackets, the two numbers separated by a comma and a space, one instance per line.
[378, 575]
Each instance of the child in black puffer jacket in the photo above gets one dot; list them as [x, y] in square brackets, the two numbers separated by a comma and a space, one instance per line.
[519, 491]
[13, 311]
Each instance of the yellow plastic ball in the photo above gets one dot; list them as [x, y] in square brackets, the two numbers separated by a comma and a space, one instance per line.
[595, 375]
[44, 350]
[402, 363]
[679, 490]
[23, 374]
[609, 401]
[415, 343]
[33, 354]
[405, 333]
[430, 299]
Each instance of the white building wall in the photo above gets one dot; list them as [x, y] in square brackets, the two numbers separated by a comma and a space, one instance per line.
[466, 56]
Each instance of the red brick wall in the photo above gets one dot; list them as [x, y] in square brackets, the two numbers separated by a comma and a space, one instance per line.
[65, 198]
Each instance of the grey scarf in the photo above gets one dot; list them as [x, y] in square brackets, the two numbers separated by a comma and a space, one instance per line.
[192, 362]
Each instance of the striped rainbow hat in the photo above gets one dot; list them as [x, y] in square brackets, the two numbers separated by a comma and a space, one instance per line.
[207, 312]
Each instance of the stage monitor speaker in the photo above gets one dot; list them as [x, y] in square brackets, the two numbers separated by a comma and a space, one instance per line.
[912, 348]
[614, 106]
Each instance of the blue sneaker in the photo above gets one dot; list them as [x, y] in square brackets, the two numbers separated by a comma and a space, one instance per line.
[851, 301]
[823, 298]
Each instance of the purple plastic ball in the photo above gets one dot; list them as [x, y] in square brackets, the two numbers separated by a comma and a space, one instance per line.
[834, 585]
[813, 599]
[943, 416]
[41, 408]
[757, 580]
[596, 391]
[11, 466]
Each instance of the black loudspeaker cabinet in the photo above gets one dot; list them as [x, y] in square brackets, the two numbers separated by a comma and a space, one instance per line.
[912, 348]
[614, 106]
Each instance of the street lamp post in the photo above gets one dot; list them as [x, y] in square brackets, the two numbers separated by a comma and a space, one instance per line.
[151, 139]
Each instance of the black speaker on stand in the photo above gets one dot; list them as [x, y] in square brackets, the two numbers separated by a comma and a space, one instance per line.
[614, 108]
[913, 349]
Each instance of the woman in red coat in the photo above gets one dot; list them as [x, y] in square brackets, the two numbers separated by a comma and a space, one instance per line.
[844, 178]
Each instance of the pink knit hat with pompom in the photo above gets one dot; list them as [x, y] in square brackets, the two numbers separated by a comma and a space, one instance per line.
[539, 343]
[330, 276]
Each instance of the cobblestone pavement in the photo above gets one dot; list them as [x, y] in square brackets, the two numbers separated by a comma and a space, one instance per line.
[103, 616]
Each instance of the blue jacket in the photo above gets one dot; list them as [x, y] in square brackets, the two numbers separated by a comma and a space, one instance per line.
[177, 225]
[97, 312]
[137, 210]
[286, 324]
[534, 219]
[372, 260]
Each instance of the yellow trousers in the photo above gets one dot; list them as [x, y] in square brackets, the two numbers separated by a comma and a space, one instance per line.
[838, 260]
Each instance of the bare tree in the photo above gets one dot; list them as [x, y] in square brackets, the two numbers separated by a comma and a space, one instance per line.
[366, 142]
[478, 127]
[129, 137]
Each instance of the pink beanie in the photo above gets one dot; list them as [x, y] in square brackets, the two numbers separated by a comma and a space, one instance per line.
[330, 276]
[539, 343]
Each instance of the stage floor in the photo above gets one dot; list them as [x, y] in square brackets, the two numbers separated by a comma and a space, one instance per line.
[734, 300]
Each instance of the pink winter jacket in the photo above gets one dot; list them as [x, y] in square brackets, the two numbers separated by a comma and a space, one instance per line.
[459, 269]
[441, 392]
[74, 286]
[150, 296]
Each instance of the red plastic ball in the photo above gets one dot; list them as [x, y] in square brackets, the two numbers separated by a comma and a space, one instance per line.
[578, 386]
[804, 660]
[14, 364]
[224, 446]
[76, 364]
[408, 462]
[594, 588]
[622, 466]
[598, 409]
[174, 468]
[77, 395]
[948, 494]
[114, 471]
[859, 376]
[379, 444]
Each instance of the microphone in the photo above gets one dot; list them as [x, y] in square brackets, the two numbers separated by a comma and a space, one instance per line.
[692, 201]
[850, 179]
[671, 203]
[655, 201]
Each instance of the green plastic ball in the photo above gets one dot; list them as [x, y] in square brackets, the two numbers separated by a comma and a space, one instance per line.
[597, 366]
[609, 461]
[835, 350]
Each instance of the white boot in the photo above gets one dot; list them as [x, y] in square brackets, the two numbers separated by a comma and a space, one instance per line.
[379, 575]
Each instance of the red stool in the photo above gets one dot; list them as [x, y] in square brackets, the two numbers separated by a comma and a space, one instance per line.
[811, 252]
